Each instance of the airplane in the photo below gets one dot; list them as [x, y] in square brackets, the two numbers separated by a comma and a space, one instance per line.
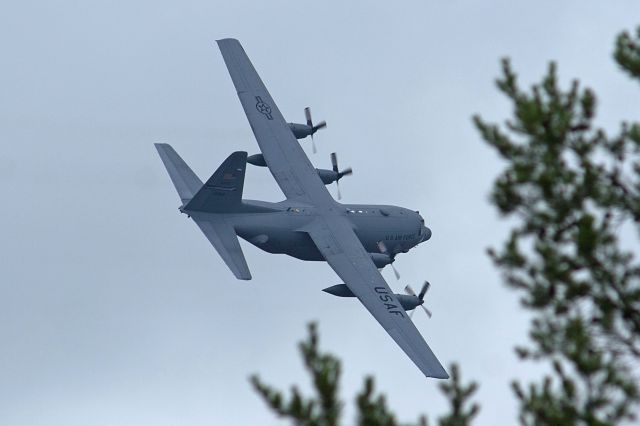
[354, 239]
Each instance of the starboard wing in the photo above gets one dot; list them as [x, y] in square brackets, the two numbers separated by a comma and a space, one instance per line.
[341, 248]
[284, 156]
[331, 232]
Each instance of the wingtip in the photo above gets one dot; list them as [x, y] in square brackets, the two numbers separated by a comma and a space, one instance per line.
[162, 147]
[444, 376]
[227, 40]
[439, 375]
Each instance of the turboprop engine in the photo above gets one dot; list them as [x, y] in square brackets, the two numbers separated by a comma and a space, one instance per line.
[408, 301]
[257, 160]
[381, 259]
[335, 174]
[327, 176]
[301, 131]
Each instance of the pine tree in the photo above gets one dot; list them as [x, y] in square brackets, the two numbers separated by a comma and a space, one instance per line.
[325, 407]
[572, 190]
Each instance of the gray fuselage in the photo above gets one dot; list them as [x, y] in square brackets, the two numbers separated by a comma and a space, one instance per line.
[278, 227]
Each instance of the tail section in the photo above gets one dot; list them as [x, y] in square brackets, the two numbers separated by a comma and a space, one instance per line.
[223, 238]
[186, 182]
[222, 193]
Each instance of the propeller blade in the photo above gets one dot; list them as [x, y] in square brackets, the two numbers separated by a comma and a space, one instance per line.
[338, 186]
[413, 311]
[313, 144]
[320, 125]
[382, 247]
[346, 172]
[334, 161]
[423, 291]
[409, 290]
[427, 311]
[395, 271]
[307, 114]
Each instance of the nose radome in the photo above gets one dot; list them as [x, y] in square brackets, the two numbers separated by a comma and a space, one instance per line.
[427, 233]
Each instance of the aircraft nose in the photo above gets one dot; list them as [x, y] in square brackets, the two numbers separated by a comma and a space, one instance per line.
[426, 233]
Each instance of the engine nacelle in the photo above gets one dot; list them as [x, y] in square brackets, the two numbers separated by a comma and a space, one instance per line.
[257, 160]
[300, 131]
[327, 176]
[340, 290]
[381, 260]
[408, 302]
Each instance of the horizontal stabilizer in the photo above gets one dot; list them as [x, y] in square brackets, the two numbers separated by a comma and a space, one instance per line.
[222, 193]
[223, 237]
[186, 182]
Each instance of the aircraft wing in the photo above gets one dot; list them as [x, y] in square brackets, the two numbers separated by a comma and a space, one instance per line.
[345, 254]
[282, 152]
[330, 231]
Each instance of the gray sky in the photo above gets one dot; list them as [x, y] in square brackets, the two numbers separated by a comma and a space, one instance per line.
[114, 309]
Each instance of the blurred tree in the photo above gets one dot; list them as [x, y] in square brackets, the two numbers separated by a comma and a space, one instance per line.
[325, 407]
[574, 193]
[627, 53]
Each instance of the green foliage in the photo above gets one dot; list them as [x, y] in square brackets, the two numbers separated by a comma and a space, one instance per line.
[458, 395]
[572, 190]
[325, 408]
[627, 52]
[373, 410]
[322, 410]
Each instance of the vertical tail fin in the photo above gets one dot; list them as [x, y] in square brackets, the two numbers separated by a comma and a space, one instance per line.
[222, 193]
[186, 182]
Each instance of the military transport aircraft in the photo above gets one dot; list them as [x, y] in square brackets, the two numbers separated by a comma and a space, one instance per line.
[355, 240]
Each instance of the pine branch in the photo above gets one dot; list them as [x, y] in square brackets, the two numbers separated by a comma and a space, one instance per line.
[324, 408]
[627, 53]
[459, 397]
[570, 185]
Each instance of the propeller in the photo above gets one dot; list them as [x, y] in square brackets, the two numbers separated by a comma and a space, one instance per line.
[420, 296]
[320, 125]
[346, 172]
[383, 249]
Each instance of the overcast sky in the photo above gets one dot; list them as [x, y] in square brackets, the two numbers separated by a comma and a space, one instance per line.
[115, 310]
